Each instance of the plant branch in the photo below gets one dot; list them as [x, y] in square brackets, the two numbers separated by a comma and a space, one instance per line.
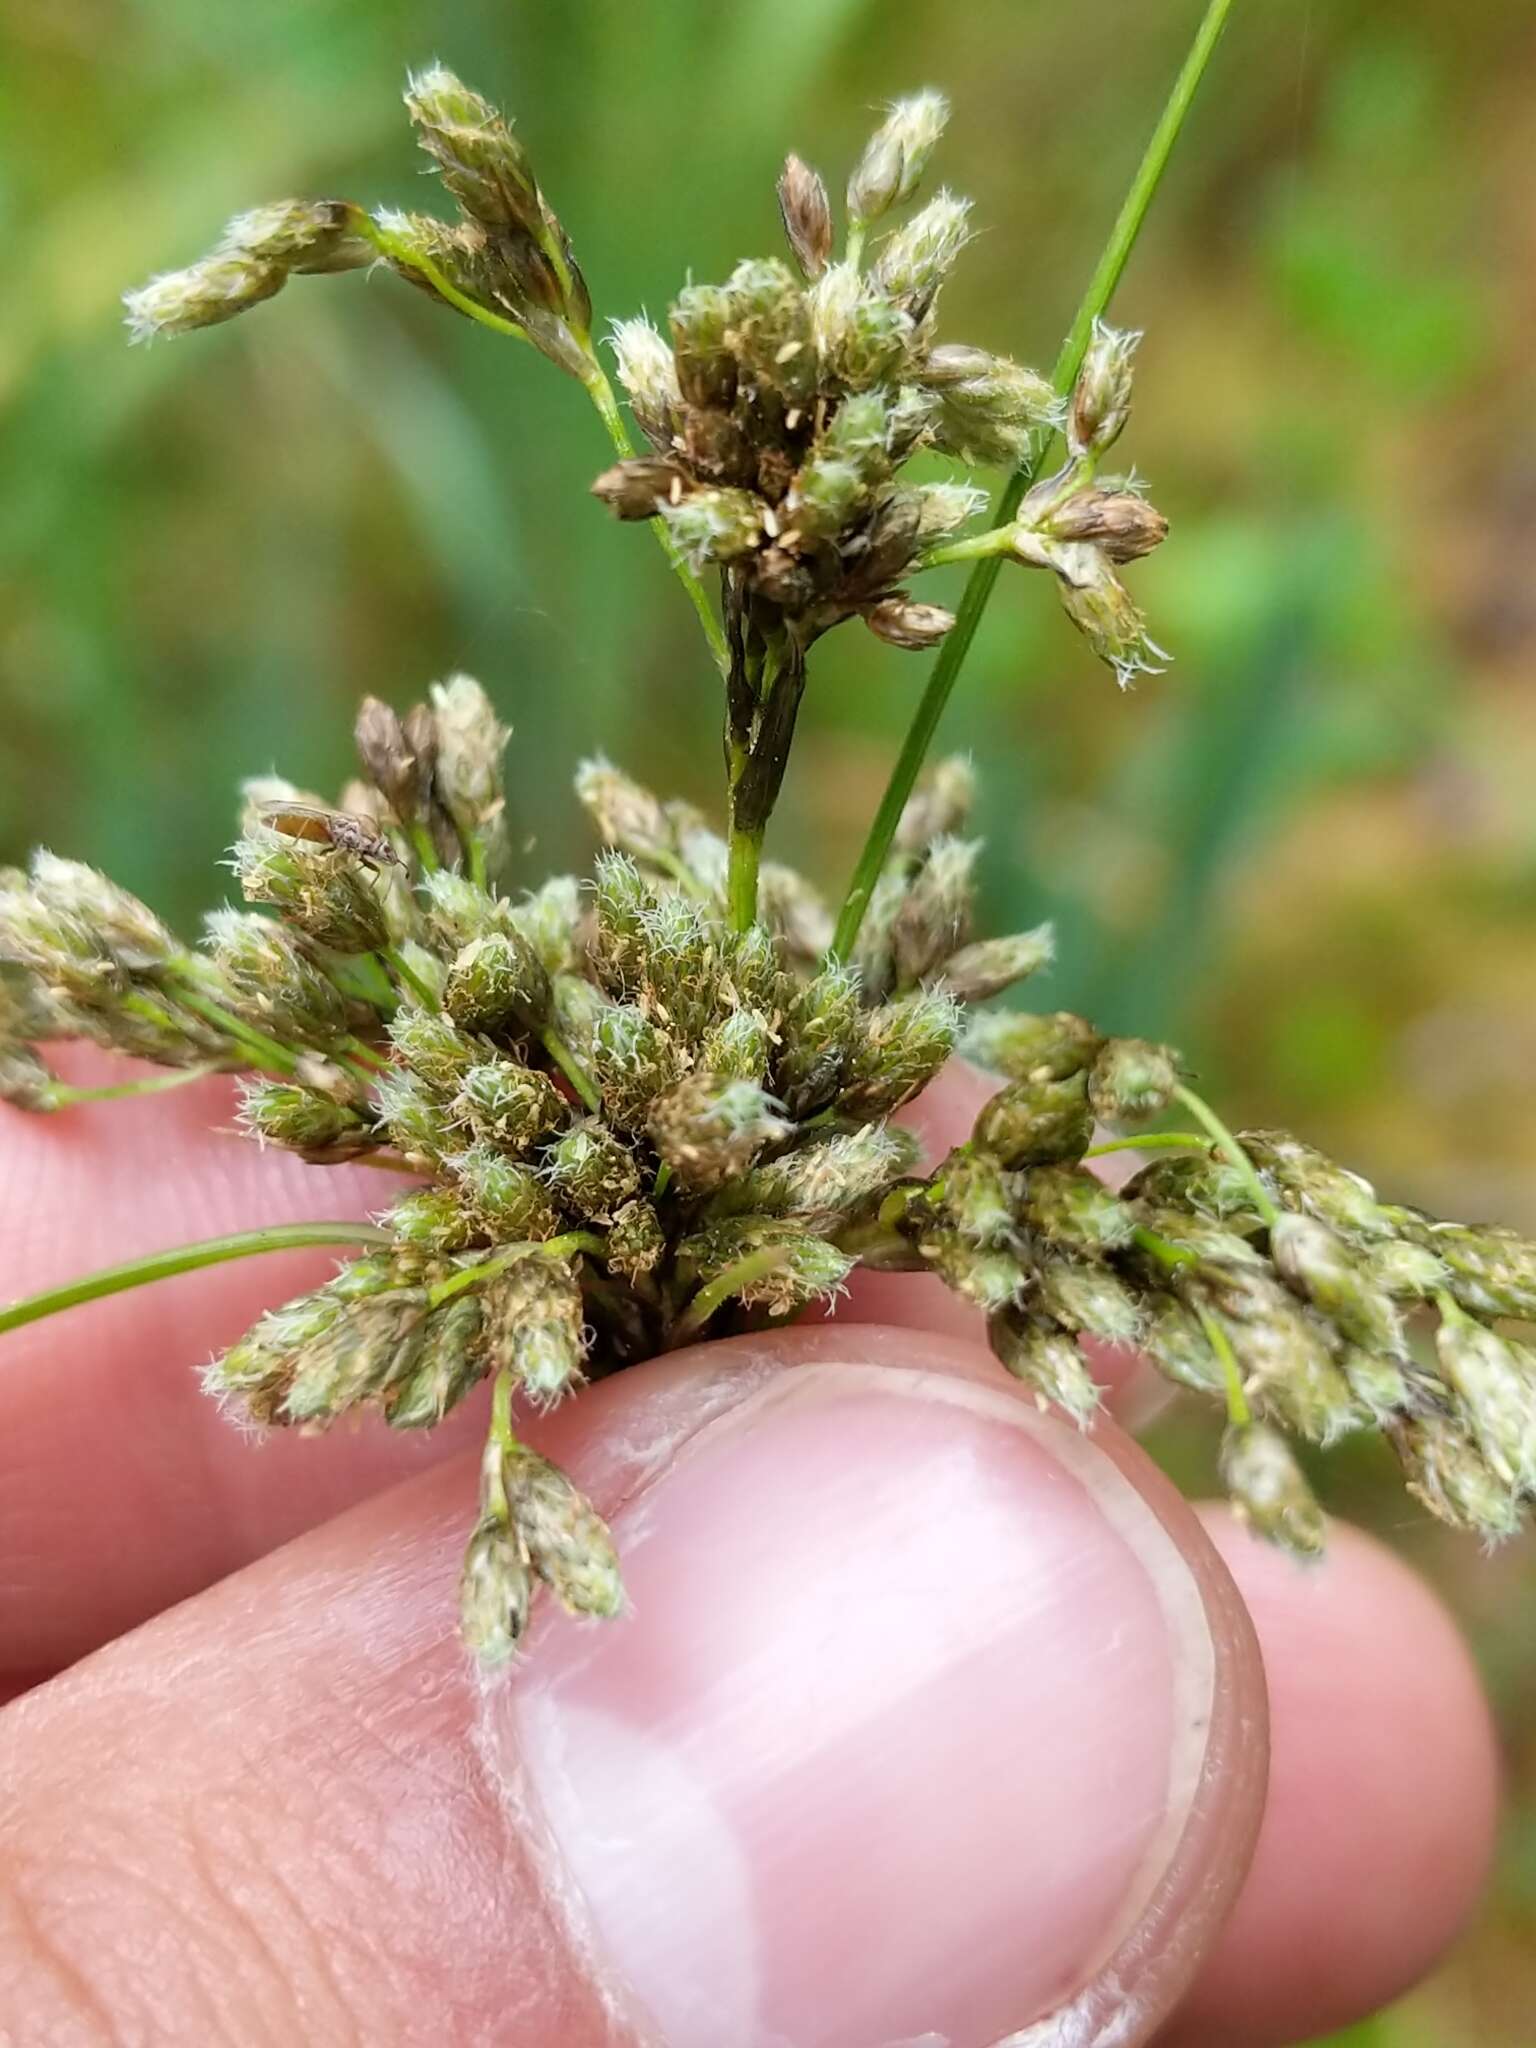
[600, 391]
[1150, 1141]
[564, 1247]
[1239, 1414]
[62, 1095]
[1235, 1155]
[742, 1272]
[978, 589]
[572, 1068]
[188, 1258]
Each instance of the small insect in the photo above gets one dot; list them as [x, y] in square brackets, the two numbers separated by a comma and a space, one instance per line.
[338, 829]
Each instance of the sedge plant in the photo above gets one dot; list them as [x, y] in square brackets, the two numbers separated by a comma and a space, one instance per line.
[659, 1103]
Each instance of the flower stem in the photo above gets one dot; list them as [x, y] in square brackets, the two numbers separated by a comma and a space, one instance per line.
[571, 1067]
[564, 1247]
[422, 990]
[1239, 1414]
[1150, 1141]
[1170, 1255]
[264, 1051]
[425, 851]
[61, 1095]
[741, 878]
[600, 391]
[970, 547]
[400, 251]
[187, 1258]
[978, 590]
[1236, 1156]
[715, 1293]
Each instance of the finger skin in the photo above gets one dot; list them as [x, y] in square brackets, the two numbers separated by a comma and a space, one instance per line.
[122, 1487]
[1383, 1807]
[281, 1812]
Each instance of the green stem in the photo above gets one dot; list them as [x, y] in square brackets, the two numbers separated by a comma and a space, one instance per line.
[571, 1067]
[187, 1258]
[1236, 1156]
[600, 391]
[399, 251]
[746, 849]
[1149, 1141]
[364, 976]
[425, 851]
[564, 1247]
[266, 1052]
[367, 1055]
[61, 1095]
[402, 968]
[1170, 1255]
[978, 590]
[1239, 1414]
[715, 1293]
[970, 547]
[854, 254]
[501, 1442]
[598, 388]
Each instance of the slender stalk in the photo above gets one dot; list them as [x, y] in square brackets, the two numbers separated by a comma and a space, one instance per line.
[978, 590]
[970, 547]
[264, 1051]
[1236, 1156]
[600, 391]
[399, 251]
[1170, 1255]
[424, 850]
[1239, 1414]
[365, 976]
[422, 990]
[500, 1444]
[715, 1293]
[367, 1055]
[1150, 1141]
[188, 1258]
[563, 1247]
[746, 851]
[61, 1095]
[572, 1068]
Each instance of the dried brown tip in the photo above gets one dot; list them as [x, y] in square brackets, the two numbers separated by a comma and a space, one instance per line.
[807, 215]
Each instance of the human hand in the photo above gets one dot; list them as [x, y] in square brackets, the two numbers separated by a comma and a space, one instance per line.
[930, 1713]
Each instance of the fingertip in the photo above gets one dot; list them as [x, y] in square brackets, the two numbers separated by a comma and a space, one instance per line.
[1379, 1829]
[961, 1726]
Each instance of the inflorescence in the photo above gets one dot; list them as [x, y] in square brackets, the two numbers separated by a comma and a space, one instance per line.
[656, 1104]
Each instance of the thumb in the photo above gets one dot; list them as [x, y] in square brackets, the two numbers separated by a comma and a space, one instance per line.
[930, 1719]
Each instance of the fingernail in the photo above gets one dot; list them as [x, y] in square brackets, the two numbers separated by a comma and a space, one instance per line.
[913, 1732]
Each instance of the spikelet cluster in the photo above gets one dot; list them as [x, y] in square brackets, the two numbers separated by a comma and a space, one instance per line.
[783, 405]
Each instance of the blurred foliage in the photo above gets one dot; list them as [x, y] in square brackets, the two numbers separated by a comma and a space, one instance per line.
[1309, 852]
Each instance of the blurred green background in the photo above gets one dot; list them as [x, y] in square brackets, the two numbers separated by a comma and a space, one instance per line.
[1308, 852]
